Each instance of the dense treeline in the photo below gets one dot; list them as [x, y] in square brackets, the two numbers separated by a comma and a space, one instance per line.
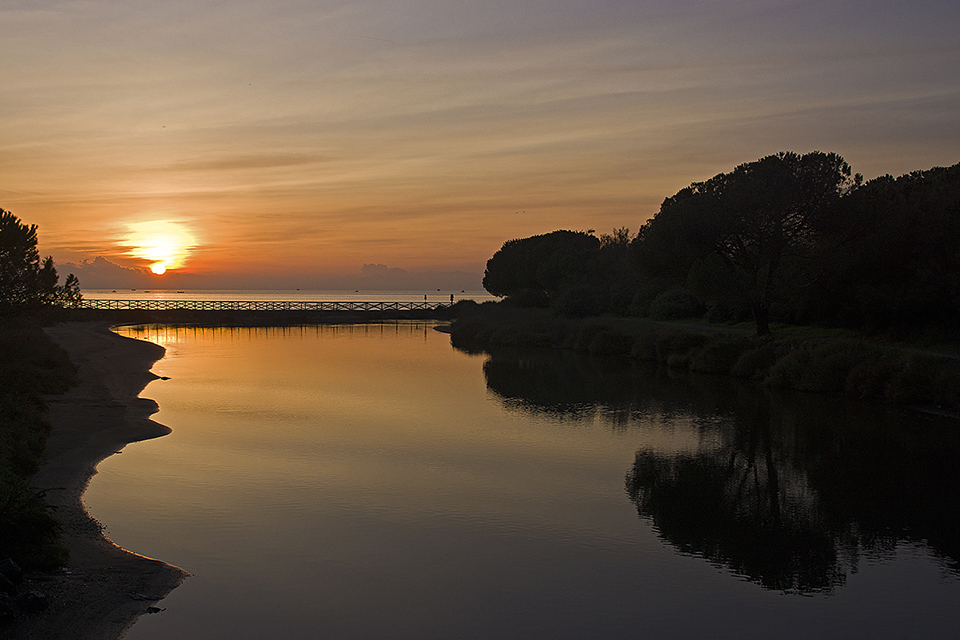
[790, 238]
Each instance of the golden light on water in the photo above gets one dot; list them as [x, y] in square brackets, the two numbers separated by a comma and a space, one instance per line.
[164, 244]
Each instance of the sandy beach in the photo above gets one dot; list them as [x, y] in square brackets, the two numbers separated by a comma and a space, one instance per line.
[104, 589]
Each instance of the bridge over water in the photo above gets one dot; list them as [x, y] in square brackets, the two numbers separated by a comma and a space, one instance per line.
[255, 305]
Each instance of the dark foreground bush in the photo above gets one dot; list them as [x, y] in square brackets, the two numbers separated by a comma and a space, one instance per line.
[721, 355]
[913, 381]
[755, 361]
[676, 347]
[29, 532]
[32, 366]
[676, 304]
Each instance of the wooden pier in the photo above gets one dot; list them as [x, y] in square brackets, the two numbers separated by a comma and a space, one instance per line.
[254, 305]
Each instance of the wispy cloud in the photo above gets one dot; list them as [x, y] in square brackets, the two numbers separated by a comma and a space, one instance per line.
[428, 132]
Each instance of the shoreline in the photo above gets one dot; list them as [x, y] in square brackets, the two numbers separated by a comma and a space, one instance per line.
[848, 364]
[104, 589]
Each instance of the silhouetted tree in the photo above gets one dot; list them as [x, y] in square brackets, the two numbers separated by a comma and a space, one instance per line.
[543, 264]
[25, 280]
[763, 220]
[898, 263]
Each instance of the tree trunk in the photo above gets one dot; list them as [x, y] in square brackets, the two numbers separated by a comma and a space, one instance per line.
[761, 315]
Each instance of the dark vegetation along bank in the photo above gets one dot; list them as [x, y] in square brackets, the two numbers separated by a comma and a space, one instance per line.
[31, 367]
[846, 287]
[789, 358]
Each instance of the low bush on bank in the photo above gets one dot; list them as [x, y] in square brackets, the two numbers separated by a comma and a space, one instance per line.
[836, 364]
[721, 355]
[32, 367]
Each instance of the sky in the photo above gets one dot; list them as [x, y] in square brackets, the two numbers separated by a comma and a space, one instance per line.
[288, 143]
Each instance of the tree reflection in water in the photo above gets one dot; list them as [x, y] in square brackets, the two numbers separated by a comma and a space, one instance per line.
[790, 491]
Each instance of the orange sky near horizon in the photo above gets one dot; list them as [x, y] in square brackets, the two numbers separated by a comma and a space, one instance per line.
[298, 140]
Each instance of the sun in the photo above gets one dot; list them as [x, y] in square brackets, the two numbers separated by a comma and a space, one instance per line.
[163, 244]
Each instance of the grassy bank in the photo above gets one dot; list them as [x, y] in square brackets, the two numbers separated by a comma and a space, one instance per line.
[31, 367]
[804, 359]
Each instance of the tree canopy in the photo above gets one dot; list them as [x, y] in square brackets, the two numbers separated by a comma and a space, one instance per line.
[25, 279]
[897, 259]
[542, 264]
[763, 220]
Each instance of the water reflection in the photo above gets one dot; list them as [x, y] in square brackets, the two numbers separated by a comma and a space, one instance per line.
[790, 491]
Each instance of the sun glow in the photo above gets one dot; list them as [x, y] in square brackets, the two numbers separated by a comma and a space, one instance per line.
[165, 244]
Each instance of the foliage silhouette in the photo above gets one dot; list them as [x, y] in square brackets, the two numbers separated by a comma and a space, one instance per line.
[543, 264]
[788, 238]
[763, 220]
[26, 281]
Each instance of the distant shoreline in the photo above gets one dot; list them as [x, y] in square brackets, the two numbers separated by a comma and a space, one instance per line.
[104, 588]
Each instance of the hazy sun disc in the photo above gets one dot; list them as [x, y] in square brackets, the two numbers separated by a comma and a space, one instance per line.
[161, 242]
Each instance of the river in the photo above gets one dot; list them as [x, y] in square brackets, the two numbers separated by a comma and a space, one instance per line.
[371, 481]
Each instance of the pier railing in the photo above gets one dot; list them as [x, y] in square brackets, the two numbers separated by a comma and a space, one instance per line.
[255, 305]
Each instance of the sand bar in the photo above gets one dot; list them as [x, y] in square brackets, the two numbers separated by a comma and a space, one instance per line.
[104, 589]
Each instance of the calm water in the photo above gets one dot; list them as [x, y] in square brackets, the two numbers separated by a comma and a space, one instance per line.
[373, 482]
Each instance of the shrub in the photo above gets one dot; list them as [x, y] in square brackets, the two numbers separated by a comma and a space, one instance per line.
[869, 378]
[644, 293]
[29, 533]
[720, 355]
[518, 337]
[580, 341]
[31, 366]
[676, 304]
[678, 343]
[581, 302]
[830, 364]
[788, 371]
[756, 362]
[913, 382]
[645, 346]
